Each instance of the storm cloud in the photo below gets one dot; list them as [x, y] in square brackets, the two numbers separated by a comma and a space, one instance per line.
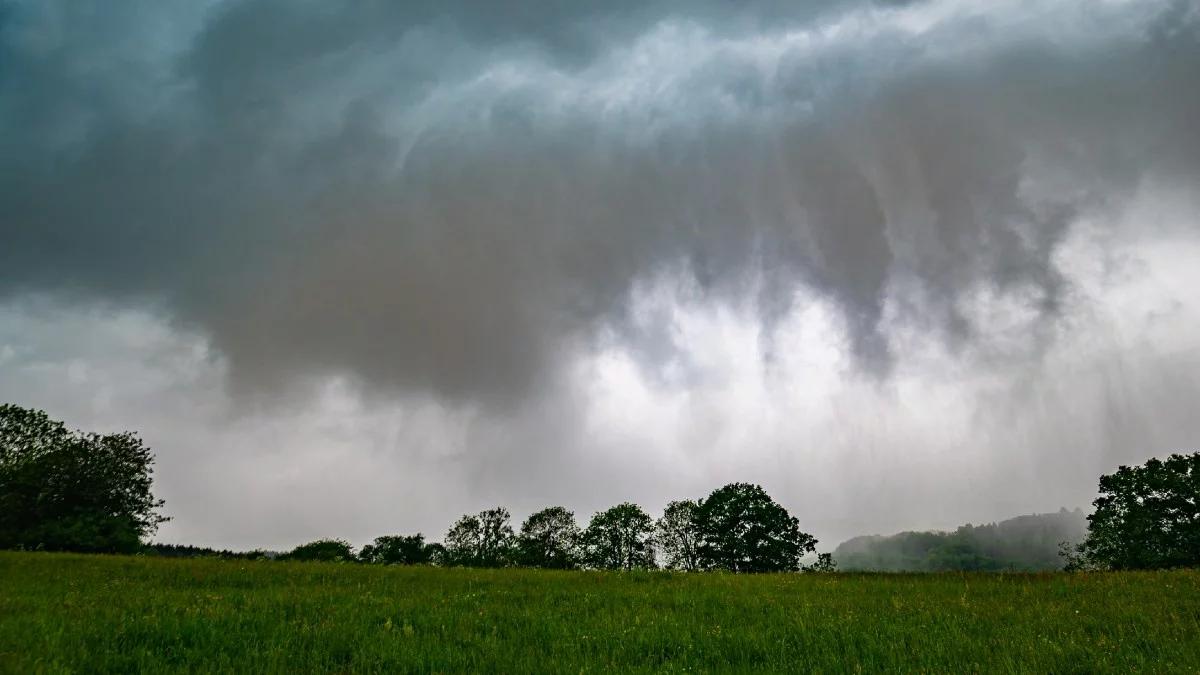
[461, 203]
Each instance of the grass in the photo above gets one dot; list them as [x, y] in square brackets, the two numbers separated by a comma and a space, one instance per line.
[76, 613]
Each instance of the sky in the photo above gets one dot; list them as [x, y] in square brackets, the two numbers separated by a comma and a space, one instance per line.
[358, 268]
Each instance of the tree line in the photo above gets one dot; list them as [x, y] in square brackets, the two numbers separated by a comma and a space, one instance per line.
[63, 490]
[737, 528]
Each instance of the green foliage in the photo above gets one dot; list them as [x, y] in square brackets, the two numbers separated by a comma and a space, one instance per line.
[741, 529]
[619, 539]
[437, 554]
[825, 564]
[63, 613]
[1026, 543]
[676, 536]
[483, 540]
[1146, 517]
[549, 539]
[184, 551]
[323, 550]
[72, 491]
[398, 550]
[1075, 559]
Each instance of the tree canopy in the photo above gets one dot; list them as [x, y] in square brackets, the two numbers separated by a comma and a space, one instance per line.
[483, 540]
[1147, 517]
[398, 550]
[324, 550]
[620, 539]
[70, 490]
[676, 536]
[741, 529]
[550, 539]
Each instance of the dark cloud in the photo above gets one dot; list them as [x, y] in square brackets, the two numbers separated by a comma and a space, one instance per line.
[456, 198]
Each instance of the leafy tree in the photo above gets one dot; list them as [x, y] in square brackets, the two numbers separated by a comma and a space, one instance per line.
[397, 550]
[65, 490]
[741, 529]
[549, 539]
[620, 538]
[825, 564]
[1074, 558]
[1147, 517]
[483, 540]
[676, 536]
[437, 554]
[324, 550]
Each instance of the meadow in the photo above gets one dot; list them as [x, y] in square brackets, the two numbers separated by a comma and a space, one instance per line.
[93, 613]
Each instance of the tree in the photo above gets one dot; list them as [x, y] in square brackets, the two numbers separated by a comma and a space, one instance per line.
[549, 539]
[397, 550]
[825, 564]
[73, 491]
[437, 554]
[324, 550]
[619, 538]
[1147, 517]
[741, 529]
[483, 540]
[676, 536]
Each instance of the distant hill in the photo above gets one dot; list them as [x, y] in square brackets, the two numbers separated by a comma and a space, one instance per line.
[1025, 543]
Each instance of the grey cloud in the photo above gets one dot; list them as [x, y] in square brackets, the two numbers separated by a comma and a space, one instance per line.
[455, 199]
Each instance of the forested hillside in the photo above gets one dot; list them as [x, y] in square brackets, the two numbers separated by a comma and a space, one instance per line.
[1027, 543]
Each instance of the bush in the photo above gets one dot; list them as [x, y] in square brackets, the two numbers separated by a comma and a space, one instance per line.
[324, 550]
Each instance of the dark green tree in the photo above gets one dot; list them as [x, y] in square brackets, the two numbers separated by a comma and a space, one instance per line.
[824, 564]
[324, 550]
[676, 536]
[72, 491]
[741, 529]
[483, 540]
[397, 550]
[1147, 517]
[549, 539]
[437, 554]
[619, 539]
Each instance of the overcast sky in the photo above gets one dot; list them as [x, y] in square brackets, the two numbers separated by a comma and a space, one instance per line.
[356, 268]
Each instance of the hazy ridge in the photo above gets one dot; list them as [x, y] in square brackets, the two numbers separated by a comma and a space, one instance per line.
[1026, 543]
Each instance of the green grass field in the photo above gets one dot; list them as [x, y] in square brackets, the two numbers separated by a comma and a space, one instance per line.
[75, 613]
